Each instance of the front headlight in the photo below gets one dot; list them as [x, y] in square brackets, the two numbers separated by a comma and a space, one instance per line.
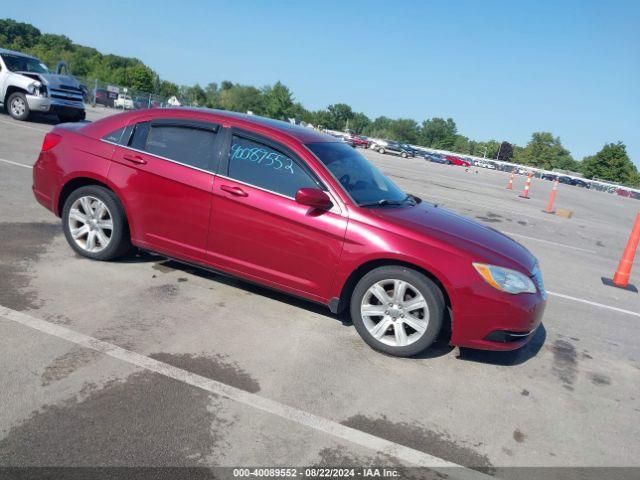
[505, 279]
[34, 88]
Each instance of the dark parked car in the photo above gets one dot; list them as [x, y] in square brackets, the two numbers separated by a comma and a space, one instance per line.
[573, 181]
[414, 151]
[295, 210]
[435, 158]
[395, 148]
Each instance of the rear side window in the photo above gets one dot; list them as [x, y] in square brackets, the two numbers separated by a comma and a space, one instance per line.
[116, 136]
[257, 164]
[188, 145]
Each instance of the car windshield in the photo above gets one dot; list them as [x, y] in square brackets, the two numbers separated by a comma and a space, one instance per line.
[366, 185]
[19, 63]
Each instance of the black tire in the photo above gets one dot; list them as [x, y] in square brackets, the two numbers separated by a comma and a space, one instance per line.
[120, 241]
[429, 290]
[381, 150]
[403, 155]
[18, 97]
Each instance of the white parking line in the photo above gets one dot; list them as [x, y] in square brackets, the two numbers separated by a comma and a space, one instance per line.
[301, 417]
[564, 245]
[15, 124]
[15, 163]
[594, 304]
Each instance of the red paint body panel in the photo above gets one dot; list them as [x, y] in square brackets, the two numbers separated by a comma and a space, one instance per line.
[206, 218]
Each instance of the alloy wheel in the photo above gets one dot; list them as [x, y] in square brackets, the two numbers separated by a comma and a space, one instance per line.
[90, 224]
[395, 312]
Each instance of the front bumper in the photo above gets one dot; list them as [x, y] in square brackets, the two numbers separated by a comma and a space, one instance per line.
[498, 321]
[54, 105]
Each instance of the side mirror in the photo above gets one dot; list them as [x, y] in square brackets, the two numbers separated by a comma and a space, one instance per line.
[313, 197]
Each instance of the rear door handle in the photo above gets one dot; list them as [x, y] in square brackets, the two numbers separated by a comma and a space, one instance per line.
[137, 159]
[237, 191]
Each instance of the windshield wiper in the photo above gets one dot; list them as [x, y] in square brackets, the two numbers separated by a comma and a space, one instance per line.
[385, 201]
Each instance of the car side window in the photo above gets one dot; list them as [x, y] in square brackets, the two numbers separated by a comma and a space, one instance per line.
[116, 136]
[185, 144]
[265, 167]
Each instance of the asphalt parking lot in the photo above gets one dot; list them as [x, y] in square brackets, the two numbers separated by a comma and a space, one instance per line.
[570, 398]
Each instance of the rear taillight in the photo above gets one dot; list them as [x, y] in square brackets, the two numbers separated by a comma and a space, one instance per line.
[50, 141]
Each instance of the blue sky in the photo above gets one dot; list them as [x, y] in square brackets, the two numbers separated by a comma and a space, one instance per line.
[500, 69]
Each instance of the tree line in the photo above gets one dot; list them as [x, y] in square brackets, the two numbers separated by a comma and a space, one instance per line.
[544, 150]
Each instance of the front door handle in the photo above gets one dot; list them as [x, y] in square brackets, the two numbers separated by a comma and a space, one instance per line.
[237, 191]
[137, 159]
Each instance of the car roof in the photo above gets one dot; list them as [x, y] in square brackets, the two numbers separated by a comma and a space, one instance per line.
[297, 132]
[13, 52]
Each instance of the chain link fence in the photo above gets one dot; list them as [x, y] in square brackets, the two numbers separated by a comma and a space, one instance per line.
[99, 93]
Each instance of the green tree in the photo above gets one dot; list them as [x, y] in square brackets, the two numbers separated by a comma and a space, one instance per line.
[168, 89]
[241, 98]
[339, 115]
[611, 163]
[278, 102]
[213, 95]
[504, 153]
[546, 151]
[439, 133]
[142, 78]
[195, 95]
[359, 123]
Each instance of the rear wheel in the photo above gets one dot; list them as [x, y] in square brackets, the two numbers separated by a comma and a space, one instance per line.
[397, 310]
[18, 106]
[94, 223]
[381, 150]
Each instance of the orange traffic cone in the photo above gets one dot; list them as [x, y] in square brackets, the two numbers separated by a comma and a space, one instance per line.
[527, 186]
[621, 277]
[510, 185]
[552, 198]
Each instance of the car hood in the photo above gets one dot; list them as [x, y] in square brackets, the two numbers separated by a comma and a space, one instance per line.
[437, 223]
[51, 80]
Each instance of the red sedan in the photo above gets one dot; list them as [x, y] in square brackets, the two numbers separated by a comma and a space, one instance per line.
[359, 141]
[292, 209]
[453, 160]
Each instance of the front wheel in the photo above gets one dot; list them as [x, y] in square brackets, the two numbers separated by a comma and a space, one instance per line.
[18, 106]
[403, 155]
[94, 223]
[381, 150]
[397, 310]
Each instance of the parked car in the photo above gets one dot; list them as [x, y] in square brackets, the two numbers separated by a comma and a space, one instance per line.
[394, 148]
[581, 183]
[102, 97]
[435, 158]
[485, 164]
[453, 160]
[360, 141]
[124, 101]
[549, 176]
[292, 209]
[27, 85]
[414, 151]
